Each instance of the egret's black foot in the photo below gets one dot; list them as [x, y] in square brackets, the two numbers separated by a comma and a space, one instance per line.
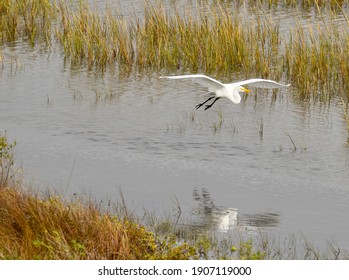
[198, 106]
[214, 101]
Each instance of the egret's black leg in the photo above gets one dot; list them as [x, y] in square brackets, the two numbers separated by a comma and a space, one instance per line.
[209, 106]
[199, 105]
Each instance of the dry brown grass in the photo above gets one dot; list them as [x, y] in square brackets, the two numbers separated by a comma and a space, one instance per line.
[34, 228]
[49, 228]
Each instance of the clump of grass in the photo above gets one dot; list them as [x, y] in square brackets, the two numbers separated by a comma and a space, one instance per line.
[50, 228]
[210, 39]
[316, 61]
[27, 20]
[95, 40]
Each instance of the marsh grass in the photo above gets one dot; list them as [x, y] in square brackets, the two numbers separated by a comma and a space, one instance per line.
[96, 40]
[28, 20]
[32, 227]
[207, 37]
[218, 123]
[211, 39]
[317, 60]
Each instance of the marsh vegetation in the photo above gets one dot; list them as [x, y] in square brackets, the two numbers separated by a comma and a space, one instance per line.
[212, 38]
[209, 37]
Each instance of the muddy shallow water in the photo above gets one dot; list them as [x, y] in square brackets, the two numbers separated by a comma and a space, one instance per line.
[230, 166]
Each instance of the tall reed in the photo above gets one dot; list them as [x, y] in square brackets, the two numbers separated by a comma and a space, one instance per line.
[88, 37]
[212, 37]
[316, 60]
[27, 20]
[212, 40]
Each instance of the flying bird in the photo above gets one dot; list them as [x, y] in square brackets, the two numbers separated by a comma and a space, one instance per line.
[230, 91]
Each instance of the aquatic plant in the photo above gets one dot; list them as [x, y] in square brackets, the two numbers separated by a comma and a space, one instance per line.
[88, 38]
[27, 20]
[316, 60]
[212, 39]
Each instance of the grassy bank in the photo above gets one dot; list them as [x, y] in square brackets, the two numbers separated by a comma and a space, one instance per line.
[50, 228]
[45, 228]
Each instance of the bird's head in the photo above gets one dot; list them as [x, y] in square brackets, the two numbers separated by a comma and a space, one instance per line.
[242, 89]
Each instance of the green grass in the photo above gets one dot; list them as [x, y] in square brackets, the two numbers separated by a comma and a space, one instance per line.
[89, 38]
[211, 39]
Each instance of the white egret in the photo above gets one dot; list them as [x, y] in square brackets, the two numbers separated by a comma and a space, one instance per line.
[230, 91]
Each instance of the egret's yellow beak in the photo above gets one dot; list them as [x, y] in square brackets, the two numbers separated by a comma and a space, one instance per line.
[245, 89]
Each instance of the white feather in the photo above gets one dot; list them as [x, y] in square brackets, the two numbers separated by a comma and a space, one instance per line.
[230, 91]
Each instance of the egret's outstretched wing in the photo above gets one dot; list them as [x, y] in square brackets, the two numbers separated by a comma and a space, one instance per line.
[260, 83]
[210, 83]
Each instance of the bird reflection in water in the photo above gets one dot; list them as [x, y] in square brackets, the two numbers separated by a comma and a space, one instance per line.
[208, 215]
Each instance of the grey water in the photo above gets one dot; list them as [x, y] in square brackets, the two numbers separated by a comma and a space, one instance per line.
[78, 131]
